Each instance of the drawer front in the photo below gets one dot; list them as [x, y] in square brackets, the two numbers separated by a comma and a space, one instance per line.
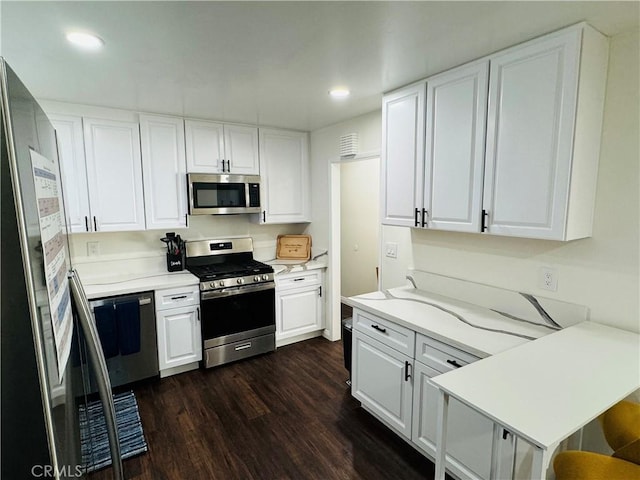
[440, 356]
[297, 280]
[237, 350]
[177, 297]
[391, 334]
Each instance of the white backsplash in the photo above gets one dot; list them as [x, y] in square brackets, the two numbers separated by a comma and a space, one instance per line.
[506, 302]
[143, 249]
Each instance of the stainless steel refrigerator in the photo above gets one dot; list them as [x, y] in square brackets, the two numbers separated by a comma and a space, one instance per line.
[46, 321]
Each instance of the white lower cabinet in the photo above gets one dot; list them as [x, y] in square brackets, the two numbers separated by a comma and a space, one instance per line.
[299, 305]
[179, 334]
[381, 380]
[469, 434]
[391, 371]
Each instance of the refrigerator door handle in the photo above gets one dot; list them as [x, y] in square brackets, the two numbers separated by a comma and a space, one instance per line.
[102, 374]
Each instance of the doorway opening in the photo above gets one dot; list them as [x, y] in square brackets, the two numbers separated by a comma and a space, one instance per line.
[359, 227]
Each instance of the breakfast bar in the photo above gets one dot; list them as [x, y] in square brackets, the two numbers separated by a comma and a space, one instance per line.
[545, 390]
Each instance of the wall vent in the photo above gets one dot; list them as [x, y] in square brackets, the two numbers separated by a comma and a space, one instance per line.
[349, 145]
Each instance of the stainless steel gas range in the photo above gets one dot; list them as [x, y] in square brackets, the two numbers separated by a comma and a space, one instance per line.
[237, 299]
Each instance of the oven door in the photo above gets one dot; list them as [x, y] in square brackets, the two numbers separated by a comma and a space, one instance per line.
[237, 313]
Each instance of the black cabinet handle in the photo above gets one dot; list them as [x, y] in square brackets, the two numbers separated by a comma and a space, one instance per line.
[228, 166]
[415, 222]
[424, 218]
[407, 375]
[264, 215]
[454, 363]
[198, 310]
[483, 226]
[320, 290]
[86, 223]
[179, 298]
[505, 434]
[95, 224]
[380, 329]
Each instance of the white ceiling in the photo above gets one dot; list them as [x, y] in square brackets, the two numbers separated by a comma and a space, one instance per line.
[268, 63]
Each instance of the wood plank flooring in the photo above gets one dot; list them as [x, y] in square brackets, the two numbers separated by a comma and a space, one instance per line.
[284, 415]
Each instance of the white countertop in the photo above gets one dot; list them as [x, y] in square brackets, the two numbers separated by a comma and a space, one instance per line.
[547, 389]
[99, 281]
[449, 320]
[105, 286]
[290, 266]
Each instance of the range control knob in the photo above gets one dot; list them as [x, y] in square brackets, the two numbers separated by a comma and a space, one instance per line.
[221, 283]
[212, 284]
[256, 278]
[240, 281]
[265, 277]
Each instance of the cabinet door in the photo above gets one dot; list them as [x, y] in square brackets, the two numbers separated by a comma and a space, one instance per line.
[241, 150]
[114, 174]
[381, 381]
[532, 106]
[204, 146]
[284, 167]
[454, 163]
[298, 311]
[403, 155]
[74, 171]
[469, 434]
[164, 167]
[179, 337]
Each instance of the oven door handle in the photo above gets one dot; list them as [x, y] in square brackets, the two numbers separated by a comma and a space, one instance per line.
[228, 292]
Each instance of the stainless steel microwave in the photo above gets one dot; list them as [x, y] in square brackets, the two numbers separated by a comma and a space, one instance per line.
[211, 194]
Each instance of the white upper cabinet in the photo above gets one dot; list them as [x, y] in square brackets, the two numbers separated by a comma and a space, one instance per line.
[284, 172]
[204, 146]
[114, 174]
[520, 161]
[219, 148]
[164, 168]
[402, 155]
[74, 171]
[454, 145]
[241, 149]
[543, 135]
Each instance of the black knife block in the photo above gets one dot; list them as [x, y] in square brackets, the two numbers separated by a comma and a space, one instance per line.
[175, 263]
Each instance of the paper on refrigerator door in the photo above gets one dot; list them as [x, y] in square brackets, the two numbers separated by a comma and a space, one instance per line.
[52, 233]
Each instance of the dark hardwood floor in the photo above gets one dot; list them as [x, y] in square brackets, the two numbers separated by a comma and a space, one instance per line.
[284, 415]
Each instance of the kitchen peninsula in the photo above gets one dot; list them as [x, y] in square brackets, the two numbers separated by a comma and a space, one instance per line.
[522, 373]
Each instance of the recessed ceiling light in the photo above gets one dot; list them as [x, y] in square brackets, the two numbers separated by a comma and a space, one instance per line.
[339, 92]
[87, 41]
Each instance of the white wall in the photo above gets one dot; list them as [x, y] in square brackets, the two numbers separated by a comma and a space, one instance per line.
[325, 198]
[600, 272]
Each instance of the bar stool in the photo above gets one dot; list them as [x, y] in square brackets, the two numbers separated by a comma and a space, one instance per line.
[621, 428]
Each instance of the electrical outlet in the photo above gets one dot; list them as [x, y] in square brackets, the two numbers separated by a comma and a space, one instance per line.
[93, 249]
[391, 250]
[548, 279]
